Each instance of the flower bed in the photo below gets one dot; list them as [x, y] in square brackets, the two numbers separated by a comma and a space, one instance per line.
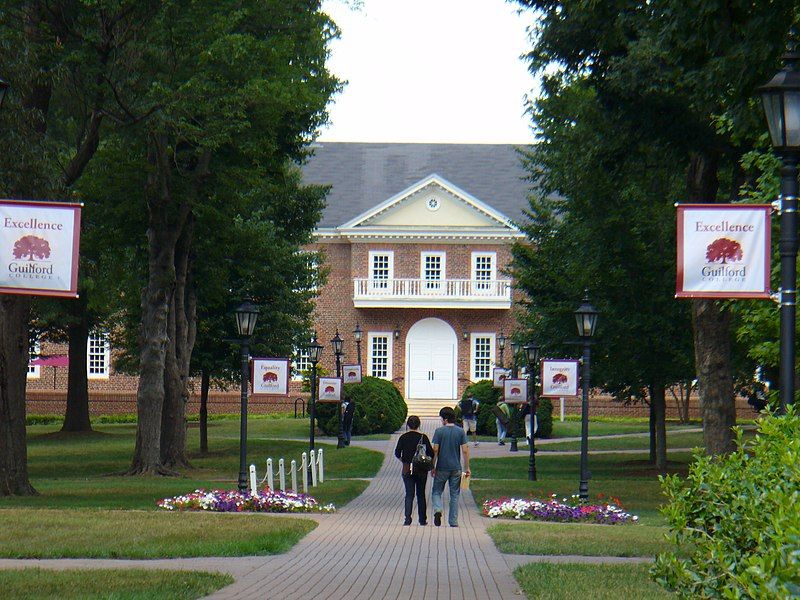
[266, 500]
[567, 511]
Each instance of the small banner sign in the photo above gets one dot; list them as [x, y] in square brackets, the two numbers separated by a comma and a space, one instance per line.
[723, 251]
[515, 391]
[330, 389]
[559, 378]
[270, 376]
[352, 373]
[39, 245]
[499, 375]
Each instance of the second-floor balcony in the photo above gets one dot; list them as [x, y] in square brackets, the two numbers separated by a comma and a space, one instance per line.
[432, 293]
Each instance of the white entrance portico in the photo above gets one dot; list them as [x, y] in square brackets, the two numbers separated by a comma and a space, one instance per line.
[431, 368]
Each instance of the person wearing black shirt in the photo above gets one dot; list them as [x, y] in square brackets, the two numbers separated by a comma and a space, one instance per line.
[414, 482]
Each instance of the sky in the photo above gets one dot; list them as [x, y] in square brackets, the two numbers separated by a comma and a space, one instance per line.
[430, 71]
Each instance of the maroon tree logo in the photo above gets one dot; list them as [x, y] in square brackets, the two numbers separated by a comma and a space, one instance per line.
[31, 246]
[269, 376]
[559, 378]
[515, 391]
[330, 389]
[351, 374]
[724, 250]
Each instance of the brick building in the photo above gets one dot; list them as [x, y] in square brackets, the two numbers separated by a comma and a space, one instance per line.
[416, 239]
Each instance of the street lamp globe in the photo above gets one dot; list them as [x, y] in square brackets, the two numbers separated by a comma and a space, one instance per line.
[781, 100]
[586, 318]
[314, 350]
[515, 346]
[357, 333]
[501, 341]
[338, 343]
[246, 317]
[4, 85]
[532, 352]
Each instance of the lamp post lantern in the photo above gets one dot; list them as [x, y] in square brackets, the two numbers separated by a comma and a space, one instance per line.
[338, 350]
[532, 354]
[314, 354]
[515, 346]
[781, 100]
[501, 344]
[586, 319]
[357, 333]
[246, 317]
[4, 85]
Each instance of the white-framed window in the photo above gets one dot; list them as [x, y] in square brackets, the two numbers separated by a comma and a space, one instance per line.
[312, 260]
[432, 269]
[484, 269]
[379, 354]
[381, 268]
[98, 355]
[34, 349]
[301, 363]
[481, 355]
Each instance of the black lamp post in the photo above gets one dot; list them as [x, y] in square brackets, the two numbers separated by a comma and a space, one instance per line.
[586, 319]
[357, 333]
[338, 350]
[314, 354]
[532, 354]
[501, 343]
[515, 346]
[246, 317]
[4, 85]
[781, 99]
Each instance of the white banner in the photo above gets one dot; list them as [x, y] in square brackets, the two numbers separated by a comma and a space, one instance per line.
[559, 378]
[515, 391]
[39, 244]
[271, 376]
[330, 389]
[723, 251]
[352, 373]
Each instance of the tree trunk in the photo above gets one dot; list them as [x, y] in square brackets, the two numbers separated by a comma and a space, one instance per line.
[156, 299]
[658, 412]
[652, 432]
[178, 358]
[14, 356]
[712, 335]
[205, 384]
[76, 417]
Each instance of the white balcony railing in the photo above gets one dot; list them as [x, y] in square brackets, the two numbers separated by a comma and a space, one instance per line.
[454, 293]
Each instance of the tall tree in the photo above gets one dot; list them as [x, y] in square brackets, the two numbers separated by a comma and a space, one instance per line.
[680, 72]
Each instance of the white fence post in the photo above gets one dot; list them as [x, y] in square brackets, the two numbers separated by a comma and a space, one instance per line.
[293, 465]
[304, 460]
[321, 475]
[253, 479]
[313, 469]
[282, 475]
[270, 480]
[563, 413]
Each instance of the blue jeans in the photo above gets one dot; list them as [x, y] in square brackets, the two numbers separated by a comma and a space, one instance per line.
[454, 478]
[501, 431]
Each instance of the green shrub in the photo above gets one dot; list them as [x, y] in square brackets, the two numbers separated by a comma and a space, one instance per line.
[380, 408]
[488, 396]
[736, 521]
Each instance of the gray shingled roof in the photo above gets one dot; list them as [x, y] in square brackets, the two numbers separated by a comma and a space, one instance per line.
[363, 175]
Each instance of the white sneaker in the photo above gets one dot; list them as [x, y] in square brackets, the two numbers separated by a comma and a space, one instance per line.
[476, 444]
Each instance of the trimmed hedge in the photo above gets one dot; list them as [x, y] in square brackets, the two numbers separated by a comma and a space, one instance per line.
[488, 396]
[380, 408]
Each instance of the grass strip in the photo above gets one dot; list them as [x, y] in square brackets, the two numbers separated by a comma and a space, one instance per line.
[543, 581]
[31, 533]
[128, 584]
[579, 539]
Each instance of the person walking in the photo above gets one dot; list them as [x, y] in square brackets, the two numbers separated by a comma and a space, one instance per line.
[349, 411]
[449, 445]
[469, 414]
[502, 415]
[414, 482]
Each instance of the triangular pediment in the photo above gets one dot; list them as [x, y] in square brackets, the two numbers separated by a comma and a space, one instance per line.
[432, 203]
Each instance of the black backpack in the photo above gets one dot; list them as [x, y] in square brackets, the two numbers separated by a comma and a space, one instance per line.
[421, 463]
[467, 409]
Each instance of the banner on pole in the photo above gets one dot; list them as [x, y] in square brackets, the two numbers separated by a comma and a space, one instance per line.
[515, 391]
[723, 251]
[330, 389]
[39, 245]
[559, 378]
[271, 376]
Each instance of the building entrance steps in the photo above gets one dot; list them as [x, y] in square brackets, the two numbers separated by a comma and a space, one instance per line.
[427, 408]
[365, 552]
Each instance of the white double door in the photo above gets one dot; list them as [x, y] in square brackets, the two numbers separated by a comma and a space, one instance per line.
[431, 353]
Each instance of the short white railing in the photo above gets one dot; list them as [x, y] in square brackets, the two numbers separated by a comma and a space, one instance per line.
[446, 289]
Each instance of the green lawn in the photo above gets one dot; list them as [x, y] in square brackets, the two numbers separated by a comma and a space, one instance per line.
[542, 581]
[572, 428]
[675, 439]
[128, 584]
[89, 533]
